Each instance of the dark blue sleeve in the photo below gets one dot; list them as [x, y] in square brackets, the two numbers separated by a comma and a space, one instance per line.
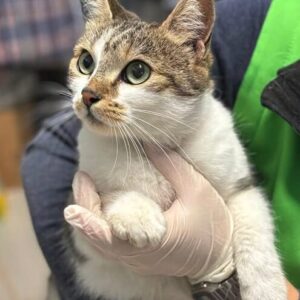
[237, 27]
[48, 169]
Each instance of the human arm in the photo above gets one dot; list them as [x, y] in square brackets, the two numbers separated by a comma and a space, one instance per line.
[199, 228]
[88, 220]
[237, 28]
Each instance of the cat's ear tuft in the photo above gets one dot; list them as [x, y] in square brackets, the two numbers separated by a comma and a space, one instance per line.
[191, 22]
[104, 10]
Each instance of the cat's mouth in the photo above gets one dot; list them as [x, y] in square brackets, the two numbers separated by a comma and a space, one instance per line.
[100, 120]
[103, 118]
[90, 118]
[86, 114]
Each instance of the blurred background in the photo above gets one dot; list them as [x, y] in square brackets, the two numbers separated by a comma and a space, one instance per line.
[36, 41]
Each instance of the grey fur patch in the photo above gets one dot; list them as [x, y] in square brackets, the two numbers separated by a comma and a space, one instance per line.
[244, 184]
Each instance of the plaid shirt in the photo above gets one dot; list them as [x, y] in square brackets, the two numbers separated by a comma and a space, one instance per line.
[38, 31]
[44, 31]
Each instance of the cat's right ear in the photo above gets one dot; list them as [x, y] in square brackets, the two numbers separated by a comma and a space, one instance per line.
[191, 22]
[104, 10]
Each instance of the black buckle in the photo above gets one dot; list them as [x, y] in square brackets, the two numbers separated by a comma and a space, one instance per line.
[227, 290]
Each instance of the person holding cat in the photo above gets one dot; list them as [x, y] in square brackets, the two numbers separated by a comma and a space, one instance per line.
[55, 146]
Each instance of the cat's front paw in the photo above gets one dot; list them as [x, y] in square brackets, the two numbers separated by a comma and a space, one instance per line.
[136, 218]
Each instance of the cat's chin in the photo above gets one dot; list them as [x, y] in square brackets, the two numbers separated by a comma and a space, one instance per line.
[95, 125]
[90, 119]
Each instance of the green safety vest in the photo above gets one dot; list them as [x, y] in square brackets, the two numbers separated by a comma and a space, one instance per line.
[273, 146]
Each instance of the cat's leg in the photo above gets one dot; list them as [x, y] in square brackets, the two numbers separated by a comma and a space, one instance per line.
[257, 262]
[136, 218]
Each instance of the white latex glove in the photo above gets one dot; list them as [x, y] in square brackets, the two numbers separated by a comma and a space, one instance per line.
[197, 243]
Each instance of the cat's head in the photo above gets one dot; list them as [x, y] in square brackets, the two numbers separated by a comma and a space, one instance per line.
[130, 76]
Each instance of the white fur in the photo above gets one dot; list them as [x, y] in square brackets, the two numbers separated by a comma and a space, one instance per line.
[99, 46]
[204, 134]
[136, 218]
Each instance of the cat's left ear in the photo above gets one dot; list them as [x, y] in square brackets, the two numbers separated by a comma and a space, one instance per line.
[191, 22]
[104, 10]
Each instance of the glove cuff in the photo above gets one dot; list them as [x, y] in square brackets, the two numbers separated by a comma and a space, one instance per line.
[221, 270]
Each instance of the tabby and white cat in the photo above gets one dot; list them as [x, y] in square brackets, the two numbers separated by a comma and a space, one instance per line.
[135, 82]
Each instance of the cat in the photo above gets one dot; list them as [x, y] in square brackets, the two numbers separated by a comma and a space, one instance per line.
[136, 83]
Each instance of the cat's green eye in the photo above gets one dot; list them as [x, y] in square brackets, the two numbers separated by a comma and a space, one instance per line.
[136, 72]
[86, 64]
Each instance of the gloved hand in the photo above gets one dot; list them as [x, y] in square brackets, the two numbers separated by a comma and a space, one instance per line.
[197, 243]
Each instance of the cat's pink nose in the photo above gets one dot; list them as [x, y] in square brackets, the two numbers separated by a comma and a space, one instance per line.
[89, 97]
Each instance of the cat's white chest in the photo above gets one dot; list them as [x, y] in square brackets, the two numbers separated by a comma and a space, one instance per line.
[116, 166]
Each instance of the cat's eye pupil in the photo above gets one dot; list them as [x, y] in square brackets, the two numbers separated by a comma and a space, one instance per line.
[138, 70]
[88, 61]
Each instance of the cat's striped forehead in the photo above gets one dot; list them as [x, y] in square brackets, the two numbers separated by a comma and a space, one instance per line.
[121, 42]
[118, 43]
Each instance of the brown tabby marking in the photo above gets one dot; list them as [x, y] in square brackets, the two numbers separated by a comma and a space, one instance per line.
[176, 68]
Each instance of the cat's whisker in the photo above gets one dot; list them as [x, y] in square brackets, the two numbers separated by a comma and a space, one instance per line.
[132, 138]
[66, 105]
[55, 86]
[142, 148]
[117, 148]
[168, 136]
[62, 118]
[129, 146]
[60, 97]
[65, 98]
[56, 90]
[128, 153]
[146, 157]
[163, 116]
[158, 145]
[143, 151]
